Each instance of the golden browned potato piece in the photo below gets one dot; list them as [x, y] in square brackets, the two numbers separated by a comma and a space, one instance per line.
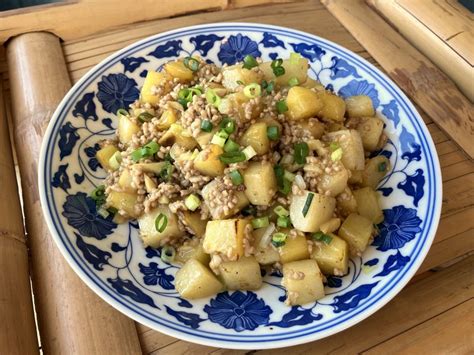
[194, 280]
[207, 162]
[303, 282]
[302, 103]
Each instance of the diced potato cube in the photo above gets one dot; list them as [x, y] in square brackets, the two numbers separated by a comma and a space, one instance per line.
[297, 68]
[265, 254]
[104, 154]
[335, 182]
[303, 282]
[332, 258]
[331, 226]
[238, 104]
[176, 134]
[187, 251]
[177, 69]
[152, 81]
[194, 280]
[294, 249]
[207, 162]
[216, 211]
[168, 117]
[302, 103]
[204, 138]
[356, 230]
[370, 130]
[256, 137]
[226, 237]
[320, 210]
[126, 129]
[152, 237]
[359, 106]
[352, 149]
[235, 73]
[260, 183]
[125, 201]
[313, 126]
[125, 181]
[368, 204]
[334, 107]
[346, 202]
[242, 274]
[375, 169]
[194, 222]
[150, 185]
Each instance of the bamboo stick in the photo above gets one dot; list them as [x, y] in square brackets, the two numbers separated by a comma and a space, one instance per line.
[72, 319]
[17, 328]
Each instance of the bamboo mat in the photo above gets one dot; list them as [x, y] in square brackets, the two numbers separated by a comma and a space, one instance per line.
[434, 313]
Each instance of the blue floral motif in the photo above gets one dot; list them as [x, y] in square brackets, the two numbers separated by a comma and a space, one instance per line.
[91, 152]
[400, 225]
[390, 111]
[128, 288]
[394, 262]
[153, 275]
[61, 179]
[238, 311]
[333, 281]
[117, 91]
[152, 252]
[190, 319]
[107, 122]
[132, 63]
[68, 137]
[413, 186]
[360, 87]
[169, 49]
[371, 262]
[352, 298]
[85, 107]
[411, 149]
[386, 191]
[236, 48]
[297, 316]
[97, 257]
[271, 41]
[116, 247]
[204, 43]
[341, 69]
[79, 178]
[81, 213]
[273, 55]
[311, 51]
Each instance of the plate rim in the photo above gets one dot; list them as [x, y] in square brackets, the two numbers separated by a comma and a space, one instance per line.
[254, 344]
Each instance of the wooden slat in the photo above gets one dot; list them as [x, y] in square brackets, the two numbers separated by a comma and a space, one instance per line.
[431, 27]
[435, 336]
[411, 70]
[72, 319]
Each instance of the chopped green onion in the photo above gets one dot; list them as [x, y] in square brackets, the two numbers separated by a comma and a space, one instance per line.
[166, 171]
[301, 152]
[185, 96]
[307, 204]
[286, 188]
[281, 211]
[103, 212]
[145, 117]
[240, 82]
[122, 112]
[268, 86]
[232, 157]
[236, 177]
[284, 185]
[382, 166]
[169, 158]
[336, 155]
[273, 133]
[294, 58]
[281, 106]
[191, 63]
[249, 62]
[289, 176]
[279, 239]
[249, 152]
[115, 160]
[168, 254]
[277, 67]
[252, 90]
[219, 138]
[260, 222]
[231, 146]
[192, 202]
[283, 222]
[98, 195]
[333, 146]
[228, 125]
[146, 151]
[206, 126]
[212, 98]
[161, 222]
[293, 81]
[321, 237]
[183, 102]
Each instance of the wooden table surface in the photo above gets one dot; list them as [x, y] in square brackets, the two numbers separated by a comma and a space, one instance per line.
[435, 312]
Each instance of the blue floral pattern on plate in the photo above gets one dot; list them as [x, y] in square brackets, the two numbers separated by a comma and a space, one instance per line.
[111, 257]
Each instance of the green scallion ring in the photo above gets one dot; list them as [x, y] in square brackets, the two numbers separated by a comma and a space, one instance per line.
[252, 90]
[191, 63]
[281, 211]
[301, 152]
[122, 112]
[206, 126]
[261, 222]
[161, 222]
[145, 117]
[281, 106]
[321, 237]
[212, 98]
[293, 82]
[283, 222]
[273, 133]
[168, 254]
[232, 157]
[192, 202]
[249, 62]
[228, 125]
[231, 146]
[236, 177]
[279, 239]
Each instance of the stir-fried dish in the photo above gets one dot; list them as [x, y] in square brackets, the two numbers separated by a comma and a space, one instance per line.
[234, 169]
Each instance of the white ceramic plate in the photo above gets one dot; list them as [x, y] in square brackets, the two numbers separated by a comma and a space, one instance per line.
[111, 259]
